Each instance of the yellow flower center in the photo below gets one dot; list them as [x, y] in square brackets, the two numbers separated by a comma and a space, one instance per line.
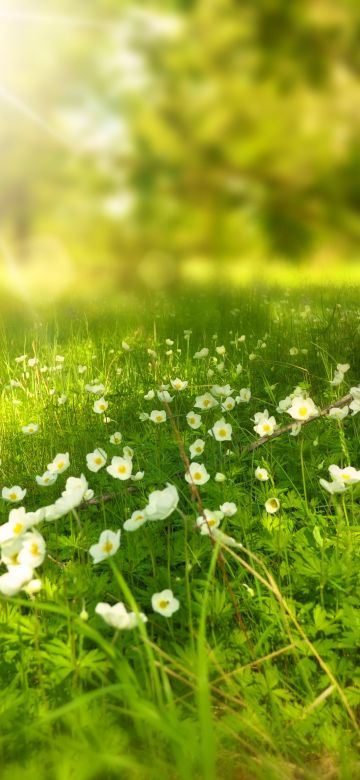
[122, 469]
[13, 496]
[163, 603]
[266, 427]
[60, 464]
[34, 549]
[346, 476]
[303, 411]
[222, 432]
[18, 527]
[197, 475]
[273, 503]
[98, 460]
[206, 403]
[159, 417]
[107, 547]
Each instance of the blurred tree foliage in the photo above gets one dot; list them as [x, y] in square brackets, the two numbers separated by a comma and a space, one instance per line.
[216, 128]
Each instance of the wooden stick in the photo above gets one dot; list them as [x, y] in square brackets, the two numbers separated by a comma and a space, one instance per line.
[264, 439]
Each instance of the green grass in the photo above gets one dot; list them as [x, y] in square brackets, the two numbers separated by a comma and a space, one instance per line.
[256, 675]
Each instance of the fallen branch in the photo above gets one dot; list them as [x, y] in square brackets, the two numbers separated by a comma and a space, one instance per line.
[263, 440]
[285, 428]
[104, 498]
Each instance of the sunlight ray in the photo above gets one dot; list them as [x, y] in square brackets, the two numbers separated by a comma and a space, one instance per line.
[21, 17]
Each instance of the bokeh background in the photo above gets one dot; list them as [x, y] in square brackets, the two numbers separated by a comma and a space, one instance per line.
[147, 145]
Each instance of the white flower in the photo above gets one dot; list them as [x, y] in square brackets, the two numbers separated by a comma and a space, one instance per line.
[293, 351]
[30, 429]
[197, 448]
[165, 603]
[219, 477]
[97, 389]
[13, 494]
[33, 549]
[265, 425]
[138, 476]
[221, 430]
[333, 487]
[161, 503]
[62, 400]
[46, 479]
[143, 416]
[197, 474]
[338, 413]
[343, 367]
[221, 390]
[82, 369]
[179, 384]
[125, 346]
[20, 359]
[355, 403]
[355, 392]
[244, 395]
[348, 475]
[354, 406]
[100, 406]
[261, 474]
[32, 587]
[60, 463]
[337, 379]
[15, 579]
[117, 616]
[284, 405]
[149, 396]
[120, 468]
[228, 405]
[17, 524]
[272, 505]
[202, 353]
[206, 401]
[108, 545]
[295, 429]
[32, 362]
[209, 521]
[302, 408]
[116, 438]
[128, 452]
[72, 496]
[164, 396]
[228, 509]
[193, 420]
[137, 519]
[96, 460]
[158, 416]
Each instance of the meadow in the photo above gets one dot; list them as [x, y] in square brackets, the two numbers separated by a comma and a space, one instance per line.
[233, 649]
